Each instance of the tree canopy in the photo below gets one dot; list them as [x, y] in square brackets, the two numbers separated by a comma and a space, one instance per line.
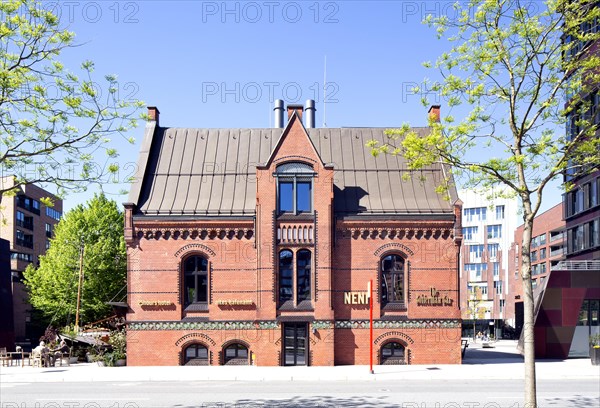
[91, 233]
[516, 73]
[54, 123]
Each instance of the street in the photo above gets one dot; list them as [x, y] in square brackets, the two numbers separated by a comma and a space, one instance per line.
[380, 394]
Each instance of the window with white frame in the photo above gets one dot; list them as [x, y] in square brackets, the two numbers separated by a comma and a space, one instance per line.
[494, 231]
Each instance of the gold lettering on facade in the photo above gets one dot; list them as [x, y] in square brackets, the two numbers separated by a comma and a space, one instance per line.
[356, 298]
[434, 299]
[235, 302]
[155, 303]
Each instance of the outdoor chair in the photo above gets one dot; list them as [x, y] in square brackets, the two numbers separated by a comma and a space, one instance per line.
[4, 357]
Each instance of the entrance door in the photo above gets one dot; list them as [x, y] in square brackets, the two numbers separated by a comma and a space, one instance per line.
[294, 344]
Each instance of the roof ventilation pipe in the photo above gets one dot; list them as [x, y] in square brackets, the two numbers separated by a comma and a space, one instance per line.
[278, 114]
[310, 113]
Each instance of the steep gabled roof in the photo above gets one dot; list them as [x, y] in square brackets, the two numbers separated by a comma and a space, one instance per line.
[211, 172]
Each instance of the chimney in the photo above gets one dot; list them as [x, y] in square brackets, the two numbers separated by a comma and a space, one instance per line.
[278, 114]
[434, 113]
[153, 114]
[310, 113]
[297, 108]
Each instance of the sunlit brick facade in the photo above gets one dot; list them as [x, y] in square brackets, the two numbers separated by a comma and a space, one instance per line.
[256, 246]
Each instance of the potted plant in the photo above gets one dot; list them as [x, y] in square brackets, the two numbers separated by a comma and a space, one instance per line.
[118, 341]
[595, 349]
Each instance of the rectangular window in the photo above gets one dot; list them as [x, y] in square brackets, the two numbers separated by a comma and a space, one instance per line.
[493, 250]
[475, 214]
[499, 212]
[49, 230]
[496, 266]
[303, 196]
[476, 269]
[498, 287]
[469, 232]
[286, 196]
[542, 253]
[476, 251]
[533, 256]
[494, 231]
[502, 304]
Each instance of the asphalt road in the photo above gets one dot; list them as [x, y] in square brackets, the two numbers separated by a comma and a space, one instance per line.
[380, 394]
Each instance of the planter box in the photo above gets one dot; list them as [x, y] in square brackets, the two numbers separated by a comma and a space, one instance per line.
[595, 356]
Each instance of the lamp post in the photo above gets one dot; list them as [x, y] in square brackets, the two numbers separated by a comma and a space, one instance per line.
[370, 291]
[79, 284]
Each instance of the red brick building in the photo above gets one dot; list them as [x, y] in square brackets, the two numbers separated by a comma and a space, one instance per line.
[256, 246]
[548, 248]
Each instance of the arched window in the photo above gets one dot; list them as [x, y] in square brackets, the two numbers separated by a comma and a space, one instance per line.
[235, 354]
[303, 262]
[392, 279]
[195, 276]
[294, 188]
[392, 353]
[286, 274]
[195, 354]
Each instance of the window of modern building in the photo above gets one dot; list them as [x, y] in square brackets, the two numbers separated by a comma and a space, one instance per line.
[235, 354]
[49, 230]
[494, 231]
[496, 266]
[392, 279]
[499, 212]
[294, 188]
[195, 280]
[52, 213]
[286, 276]
[476, 268]
[493, 250]
[484, 290]
[47, 244]
[475, 214]
[303, 268]
[21, 256]
[196, 354]
[533, 256]
[498, 287]
[502, 303]
[24, 240]
[392, 353]
[542, 253]
[469, 232]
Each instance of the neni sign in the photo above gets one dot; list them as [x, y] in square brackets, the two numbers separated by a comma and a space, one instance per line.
[356, 298]
[434, 299]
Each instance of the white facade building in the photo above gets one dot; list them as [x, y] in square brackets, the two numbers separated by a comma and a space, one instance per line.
[489, 221]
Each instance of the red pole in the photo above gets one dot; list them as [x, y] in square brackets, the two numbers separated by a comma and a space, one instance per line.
[371, 326]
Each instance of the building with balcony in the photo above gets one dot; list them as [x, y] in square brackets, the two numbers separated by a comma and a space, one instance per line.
[548, 248]
[257, 246]
[488, 222]
[28, 226]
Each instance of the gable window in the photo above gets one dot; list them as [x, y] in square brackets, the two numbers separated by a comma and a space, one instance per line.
[195, 280]
[392, 279]
[294, 188]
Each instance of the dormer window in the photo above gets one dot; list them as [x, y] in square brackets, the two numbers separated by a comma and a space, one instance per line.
[294, 188]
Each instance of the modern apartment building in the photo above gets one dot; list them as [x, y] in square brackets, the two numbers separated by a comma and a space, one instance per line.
[28, 226]
[547, 250]
[488, 221]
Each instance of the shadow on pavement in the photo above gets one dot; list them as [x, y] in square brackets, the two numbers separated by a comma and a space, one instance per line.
[316, 401]
[490, 356]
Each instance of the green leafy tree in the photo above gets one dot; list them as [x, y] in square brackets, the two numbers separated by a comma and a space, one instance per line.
[516, 73]
[90, 236]
[54, 124]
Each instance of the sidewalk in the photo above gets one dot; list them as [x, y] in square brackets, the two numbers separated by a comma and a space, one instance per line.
[501, 362]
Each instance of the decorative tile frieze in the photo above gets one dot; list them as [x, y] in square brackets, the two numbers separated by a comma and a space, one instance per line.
[219, 325]
[400, 324]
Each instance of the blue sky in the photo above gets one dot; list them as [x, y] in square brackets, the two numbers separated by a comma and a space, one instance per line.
[221, 64]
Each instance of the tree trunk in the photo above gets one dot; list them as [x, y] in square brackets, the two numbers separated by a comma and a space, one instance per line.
[528, 318]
